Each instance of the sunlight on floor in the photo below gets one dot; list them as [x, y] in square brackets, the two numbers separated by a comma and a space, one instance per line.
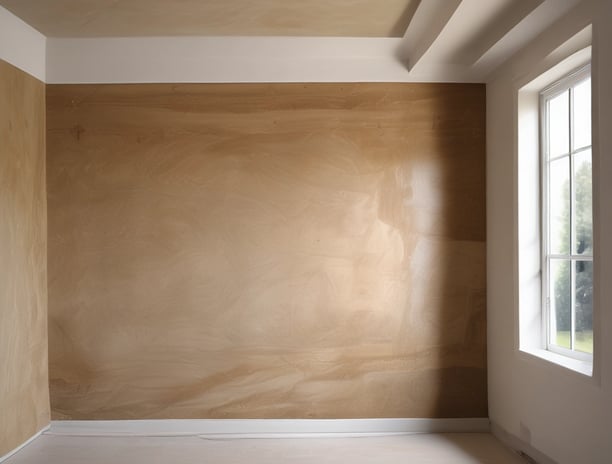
[459, 448]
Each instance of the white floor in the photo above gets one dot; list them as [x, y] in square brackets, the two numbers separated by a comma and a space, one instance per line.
[457, 448]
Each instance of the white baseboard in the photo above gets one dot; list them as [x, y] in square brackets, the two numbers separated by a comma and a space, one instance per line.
[526, 450]
[267, 428]
[24, 444]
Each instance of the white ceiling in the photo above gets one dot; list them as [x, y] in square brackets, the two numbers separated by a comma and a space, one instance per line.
[417, 40]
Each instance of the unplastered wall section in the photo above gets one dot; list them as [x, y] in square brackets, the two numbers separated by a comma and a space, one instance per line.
[266, 250]
[552, 410]
[24, 392]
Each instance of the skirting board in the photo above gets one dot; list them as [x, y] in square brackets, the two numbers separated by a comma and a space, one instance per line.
[267, 428]
[24, 444]
[529, 453]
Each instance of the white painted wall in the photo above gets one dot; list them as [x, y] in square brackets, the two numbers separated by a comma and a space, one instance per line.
[22, 46]
[238, 59]
[561, 413]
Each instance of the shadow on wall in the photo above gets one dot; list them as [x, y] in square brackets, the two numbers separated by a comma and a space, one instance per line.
[266, 251]
[458, 295]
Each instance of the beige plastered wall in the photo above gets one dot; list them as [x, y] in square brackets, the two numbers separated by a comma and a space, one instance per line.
[266, 250]
[24, 393]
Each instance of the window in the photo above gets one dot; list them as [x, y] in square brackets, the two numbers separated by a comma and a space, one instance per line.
[567, 216]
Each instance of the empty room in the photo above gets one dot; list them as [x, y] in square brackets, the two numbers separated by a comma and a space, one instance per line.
[305, 231]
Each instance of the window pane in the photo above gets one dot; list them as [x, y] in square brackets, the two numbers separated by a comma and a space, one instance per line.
[559, 206]
[558, 125]
[583, 206]
[560, 302]
[582, 114]
[584, 306]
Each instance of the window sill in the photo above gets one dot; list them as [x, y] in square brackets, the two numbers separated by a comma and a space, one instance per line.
[582, 367]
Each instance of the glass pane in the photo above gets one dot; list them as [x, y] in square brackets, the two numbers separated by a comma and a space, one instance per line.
[584, 306]
[583, 206]
[582, 114]
[558, 125]
[560, 297]
[559, 206]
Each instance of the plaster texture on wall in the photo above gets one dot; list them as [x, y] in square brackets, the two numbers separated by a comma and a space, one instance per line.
[266, 251]
[24, 394]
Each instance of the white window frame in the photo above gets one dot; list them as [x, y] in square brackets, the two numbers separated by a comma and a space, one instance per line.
[557, 88]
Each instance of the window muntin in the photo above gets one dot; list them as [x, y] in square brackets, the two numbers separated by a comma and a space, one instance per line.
[567, 217]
